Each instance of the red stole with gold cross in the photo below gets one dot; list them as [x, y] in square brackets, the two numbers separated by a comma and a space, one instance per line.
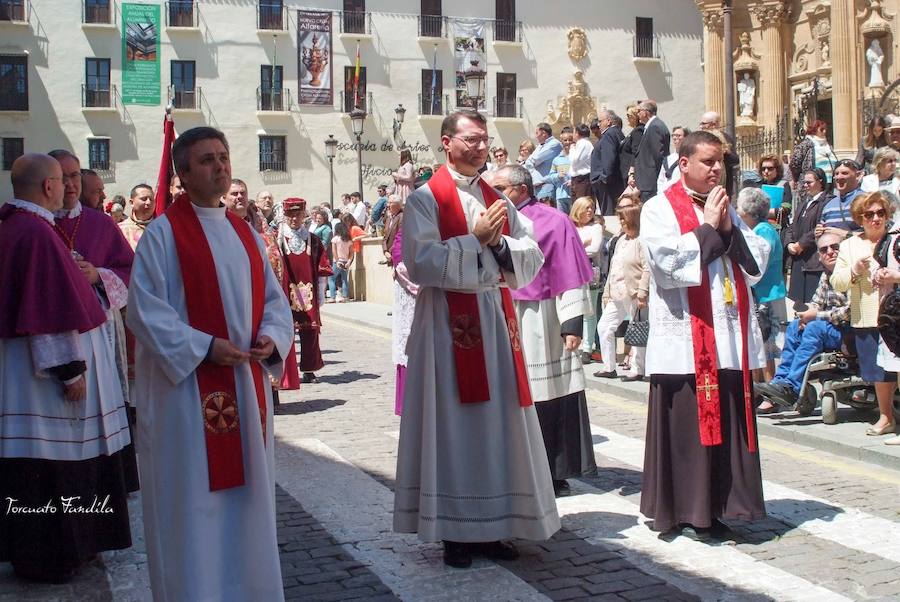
[216, 383]
[465, 320]
[703, 335]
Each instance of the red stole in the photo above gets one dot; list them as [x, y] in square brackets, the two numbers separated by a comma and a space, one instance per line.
[465, 320]
[703, 335]
[218, 392]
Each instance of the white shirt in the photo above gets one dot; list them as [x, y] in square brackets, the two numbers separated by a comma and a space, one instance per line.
[871, 183]
[358, 211]
[662, 182]
[580, 156]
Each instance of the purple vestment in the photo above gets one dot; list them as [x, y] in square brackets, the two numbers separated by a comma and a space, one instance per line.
[100, 241]
[43, 290]
[566, 264]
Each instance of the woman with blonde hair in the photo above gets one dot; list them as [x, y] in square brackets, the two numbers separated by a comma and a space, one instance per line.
[591, 233]
[630, 145]
[884, 174]
[626, 290]
[525, 149]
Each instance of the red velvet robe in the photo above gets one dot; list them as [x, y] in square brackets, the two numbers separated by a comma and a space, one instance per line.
[303, 271]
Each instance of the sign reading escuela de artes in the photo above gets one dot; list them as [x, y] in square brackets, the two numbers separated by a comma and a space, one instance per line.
[314, 58]
[140, 54]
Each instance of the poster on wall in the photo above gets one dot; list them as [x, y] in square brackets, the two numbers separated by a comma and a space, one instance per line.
[140, 54]
[468, 48]
[314, 57]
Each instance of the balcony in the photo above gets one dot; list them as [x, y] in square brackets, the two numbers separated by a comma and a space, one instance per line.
[98, 15]
[439, 108]
[15, 11]
[185, 100]
[432, 26]
[273, 101]
[271, 18]
[507, 32]
[182, 14]
[12, 100]
[509, 108]
[365, 103]
[98, 99]
[646, 48]
[355, 24]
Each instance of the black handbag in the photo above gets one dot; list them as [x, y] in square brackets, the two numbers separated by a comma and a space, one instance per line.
[889, 308]
[638, 331]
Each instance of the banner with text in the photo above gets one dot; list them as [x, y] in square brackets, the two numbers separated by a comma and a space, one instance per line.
[140, 54]
[468, 46]
[314, 57]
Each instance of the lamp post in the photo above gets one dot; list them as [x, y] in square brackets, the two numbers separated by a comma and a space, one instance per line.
[330, 152]
[358, 122]
[474, 75]
[399, 114]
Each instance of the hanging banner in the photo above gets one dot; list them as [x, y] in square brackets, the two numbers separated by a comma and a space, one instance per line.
[314, 58]
[140, 54]
[468, 45]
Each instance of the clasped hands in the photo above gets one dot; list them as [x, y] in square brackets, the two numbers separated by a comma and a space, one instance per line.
[715, 211]
[489, 227]
[226, 353]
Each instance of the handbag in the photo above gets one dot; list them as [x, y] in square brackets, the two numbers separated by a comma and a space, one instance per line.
[889, 308]
[596, 278]
[638, 331]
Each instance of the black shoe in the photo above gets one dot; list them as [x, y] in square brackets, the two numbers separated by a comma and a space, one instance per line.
[720, 531]
[695, 533]
[457, 554]
[498, 550]
[586, 358]
[561, 488]
[602, 374]
[781, 395]
[309, 377]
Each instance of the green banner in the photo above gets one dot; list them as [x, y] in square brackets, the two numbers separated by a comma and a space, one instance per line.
[140, 54]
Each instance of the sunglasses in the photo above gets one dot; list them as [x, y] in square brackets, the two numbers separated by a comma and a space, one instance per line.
[767, 168]
[849, 163]
[873, 214]
[832, 247]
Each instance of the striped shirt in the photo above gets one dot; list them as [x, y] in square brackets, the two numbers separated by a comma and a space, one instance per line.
[836, 212]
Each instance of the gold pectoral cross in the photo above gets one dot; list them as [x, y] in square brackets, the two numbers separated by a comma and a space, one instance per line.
[707, 387]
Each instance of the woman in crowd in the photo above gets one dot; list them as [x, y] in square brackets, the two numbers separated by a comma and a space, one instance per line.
[772, 172]
[854, 272]
[356, 233]
[800, 238]
[626, 290]
[886, 278]
[753, 207]
[525, 150]
[591, 233]
[322, 230]
[630, 144]
[884, 172]
[405, 176]
[876, 137]
[813, 151]
[342, 251]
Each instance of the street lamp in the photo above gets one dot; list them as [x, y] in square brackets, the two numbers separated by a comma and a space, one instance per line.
[358, 122]
[474, 75]
[330, 152]
[399, 114]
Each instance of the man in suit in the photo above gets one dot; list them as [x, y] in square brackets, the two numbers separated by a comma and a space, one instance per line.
[652, 151]
[606, 179]
[541, 160]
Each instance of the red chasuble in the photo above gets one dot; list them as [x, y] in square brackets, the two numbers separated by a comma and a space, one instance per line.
[465, 321]
[217, 389]
[704, 335]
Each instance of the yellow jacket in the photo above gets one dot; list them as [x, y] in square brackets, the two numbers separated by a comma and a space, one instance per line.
[864, 297]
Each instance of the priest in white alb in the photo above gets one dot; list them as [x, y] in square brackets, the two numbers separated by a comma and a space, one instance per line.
[701, 462]
[471, 465]
[210, 319]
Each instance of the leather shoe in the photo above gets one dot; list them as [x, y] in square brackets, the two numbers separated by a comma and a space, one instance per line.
[309, 377]
[498, 550]
[632, 379]
[561, 488]
[695, 533]
[602, 374]
[586, 358]
[877, 431]
[457, 554]
[781, 395]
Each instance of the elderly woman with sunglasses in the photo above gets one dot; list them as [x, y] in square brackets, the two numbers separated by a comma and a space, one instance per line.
[800, 237]
[856, 273]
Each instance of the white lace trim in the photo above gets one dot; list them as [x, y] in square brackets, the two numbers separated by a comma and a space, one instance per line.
[33, 208]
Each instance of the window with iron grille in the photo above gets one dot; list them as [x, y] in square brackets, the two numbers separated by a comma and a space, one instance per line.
[181, 13]
[272, 153]
[98, 154]
[354, 96]
[354, 16]
[506, 95]
[271, 14]
[505, 25]
[13, 82]
[271, 90]
[432, 92]
[96, 11]
[431, 19]
[13, 148]
[643, 38]
[12, 10]
[184, 84]
[96, 83]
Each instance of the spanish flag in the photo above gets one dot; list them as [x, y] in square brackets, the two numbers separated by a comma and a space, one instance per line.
[356, 80]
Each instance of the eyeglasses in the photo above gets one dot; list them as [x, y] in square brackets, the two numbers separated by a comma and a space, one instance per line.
[807, 182]
[870, 215]
[767, 168]
[474, 140]
[832, 247]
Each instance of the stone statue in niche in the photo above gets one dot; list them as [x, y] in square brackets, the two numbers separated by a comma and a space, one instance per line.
[746, 94]
[826, 54]
[875, 56]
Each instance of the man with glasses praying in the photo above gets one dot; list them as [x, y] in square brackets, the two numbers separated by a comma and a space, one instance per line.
[816, 329]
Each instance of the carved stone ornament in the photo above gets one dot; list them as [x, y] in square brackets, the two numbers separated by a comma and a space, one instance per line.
[578, 46]
[713, 20]
[744, 57]
[875, 20]
[575, 107]
[771, 15]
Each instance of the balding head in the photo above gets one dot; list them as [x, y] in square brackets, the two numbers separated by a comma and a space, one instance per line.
[38, 178]
[710, 121]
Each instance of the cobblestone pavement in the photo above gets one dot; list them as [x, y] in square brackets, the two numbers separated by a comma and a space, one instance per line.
[833, 531]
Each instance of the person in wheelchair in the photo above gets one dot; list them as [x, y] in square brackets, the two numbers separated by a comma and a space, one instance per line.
[817, 329]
